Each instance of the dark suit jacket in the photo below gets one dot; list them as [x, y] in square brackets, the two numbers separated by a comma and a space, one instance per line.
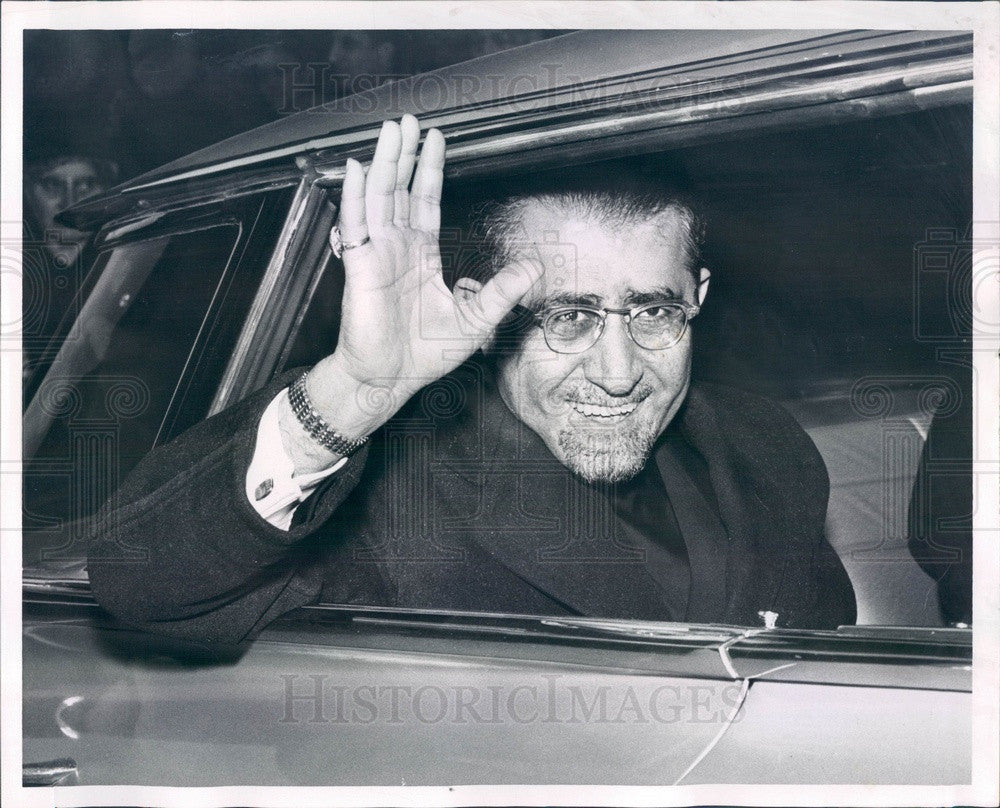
[457, 505]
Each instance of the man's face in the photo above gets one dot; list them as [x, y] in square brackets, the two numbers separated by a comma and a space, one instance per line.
[60, 187]
[51, 193]
[600, 411]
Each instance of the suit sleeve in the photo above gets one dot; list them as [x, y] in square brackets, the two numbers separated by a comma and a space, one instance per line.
[179, 549]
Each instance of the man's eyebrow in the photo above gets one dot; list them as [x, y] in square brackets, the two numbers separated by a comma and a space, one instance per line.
[633, 297]
[567, 299]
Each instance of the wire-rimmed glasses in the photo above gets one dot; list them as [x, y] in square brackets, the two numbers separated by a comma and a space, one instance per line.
[653, 326]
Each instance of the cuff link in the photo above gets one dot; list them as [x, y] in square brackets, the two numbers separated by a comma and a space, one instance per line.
[263, 489]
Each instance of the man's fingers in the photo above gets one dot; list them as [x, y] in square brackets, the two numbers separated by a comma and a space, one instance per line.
[425, 195]
[352, 222]
[380, 186]
[502, 292]
[410, 132]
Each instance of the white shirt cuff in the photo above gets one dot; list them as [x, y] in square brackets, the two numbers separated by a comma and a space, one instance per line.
[272, 486]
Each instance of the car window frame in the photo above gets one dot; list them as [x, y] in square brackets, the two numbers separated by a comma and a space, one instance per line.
[249, 213]
[171, 218]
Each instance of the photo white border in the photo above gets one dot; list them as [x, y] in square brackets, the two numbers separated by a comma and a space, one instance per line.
[981, 18]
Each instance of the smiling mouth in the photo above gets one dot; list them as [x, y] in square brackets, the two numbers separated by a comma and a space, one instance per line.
[604, 413]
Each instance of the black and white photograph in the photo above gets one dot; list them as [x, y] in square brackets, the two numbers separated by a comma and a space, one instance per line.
[546, 404]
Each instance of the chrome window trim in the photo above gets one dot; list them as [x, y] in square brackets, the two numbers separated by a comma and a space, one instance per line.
[262, 300]
[135, 214]
[891, 90]
[868, 656]
[299, 254]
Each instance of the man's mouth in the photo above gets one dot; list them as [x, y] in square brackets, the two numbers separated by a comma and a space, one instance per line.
[604, 412]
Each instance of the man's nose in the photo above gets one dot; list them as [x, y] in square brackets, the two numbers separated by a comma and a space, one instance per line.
[613, 362]
[75, 193]
[66, 196]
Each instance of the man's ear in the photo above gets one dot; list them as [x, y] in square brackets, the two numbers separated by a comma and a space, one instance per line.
[703, 276]
[466, 288]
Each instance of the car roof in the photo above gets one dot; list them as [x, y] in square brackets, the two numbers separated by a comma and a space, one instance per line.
[578, 58]
[577, 74]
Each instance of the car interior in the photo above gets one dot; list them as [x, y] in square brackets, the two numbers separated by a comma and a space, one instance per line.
[830, 249]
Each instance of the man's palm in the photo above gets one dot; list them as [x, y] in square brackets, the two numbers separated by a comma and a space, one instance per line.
[401, 326]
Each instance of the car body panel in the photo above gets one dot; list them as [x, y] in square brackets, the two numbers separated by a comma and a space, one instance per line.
[793, 733]
[376, 697]
[457, 718]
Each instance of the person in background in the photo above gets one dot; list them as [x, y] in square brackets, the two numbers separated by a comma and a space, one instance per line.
[51, 255]
[53, 185]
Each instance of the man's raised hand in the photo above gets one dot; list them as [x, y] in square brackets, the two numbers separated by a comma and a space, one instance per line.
[401, 327]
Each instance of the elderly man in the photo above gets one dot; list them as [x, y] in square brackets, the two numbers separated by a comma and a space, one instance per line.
[573, 470]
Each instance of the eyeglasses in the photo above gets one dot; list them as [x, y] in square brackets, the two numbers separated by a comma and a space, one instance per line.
[653, 326]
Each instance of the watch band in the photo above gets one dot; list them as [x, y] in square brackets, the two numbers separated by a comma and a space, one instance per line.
[314, 423]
